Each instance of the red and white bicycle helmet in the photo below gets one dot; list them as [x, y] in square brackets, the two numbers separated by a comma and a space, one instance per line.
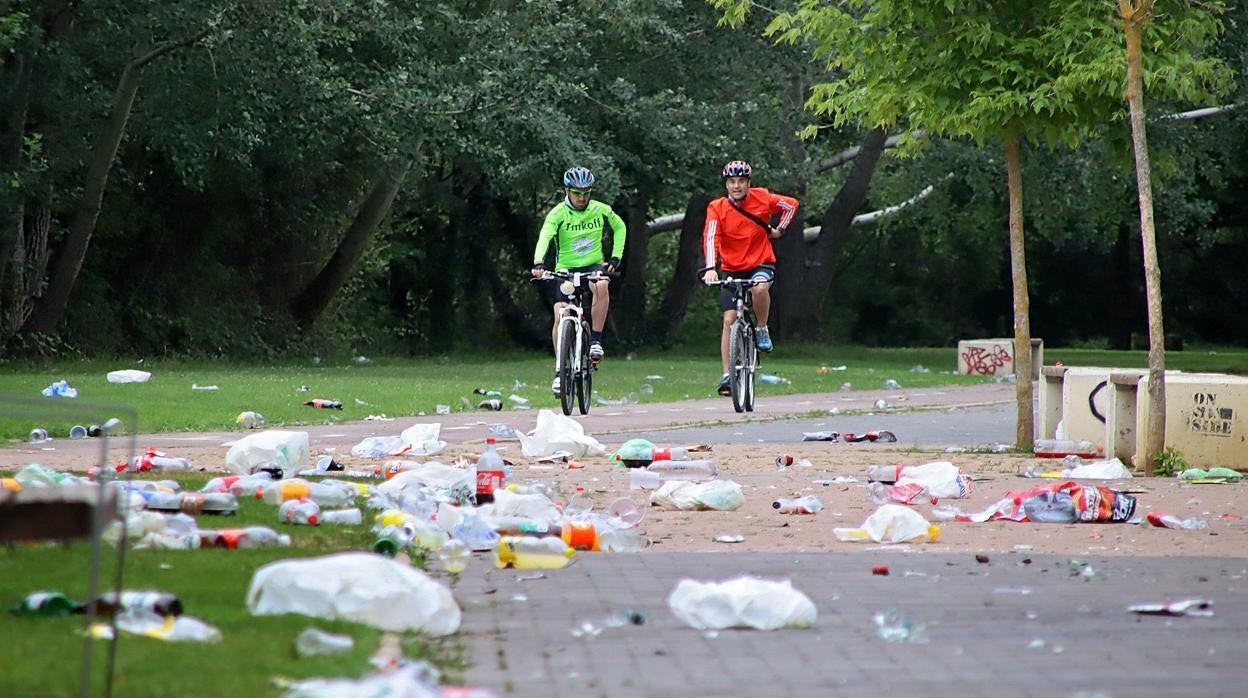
[737, 168]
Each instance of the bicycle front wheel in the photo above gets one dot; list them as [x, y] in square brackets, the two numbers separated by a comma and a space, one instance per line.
[738, 348]
[567, 365]
[750, 369]
[585, 381]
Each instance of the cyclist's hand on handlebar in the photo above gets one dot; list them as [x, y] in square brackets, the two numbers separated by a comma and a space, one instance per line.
[613, 265]
[774, 233]
[710, 277]
[539, 270]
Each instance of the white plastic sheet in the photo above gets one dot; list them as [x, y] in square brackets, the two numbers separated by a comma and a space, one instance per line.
[555, 432]
[529, 506]
[361, 587]
[891, 523]
[432, 475]
[742, 602]
[416, 440]
[129, 375]
[287, 450]
[404, 682]
[1111, 469]
[940, 479]
[721, 495]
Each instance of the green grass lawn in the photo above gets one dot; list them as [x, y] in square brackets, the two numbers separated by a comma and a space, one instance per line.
[407, 387]
[44, 655]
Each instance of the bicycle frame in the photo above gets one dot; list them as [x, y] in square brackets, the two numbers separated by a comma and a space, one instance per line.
[742, 353]
[576, 379]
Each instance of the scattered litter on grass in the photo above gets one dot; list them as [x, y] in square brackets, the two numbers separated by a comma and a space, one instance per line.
[60, 389]
[197, 386]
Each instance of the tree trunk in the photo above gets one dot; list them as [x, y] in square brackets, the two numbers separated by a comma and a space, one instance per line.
[628, 307]
[314, 298]
[14, 101]
[806, 318]
[1024, 432]
[51, 308]
[1134, 17]
[664, 324]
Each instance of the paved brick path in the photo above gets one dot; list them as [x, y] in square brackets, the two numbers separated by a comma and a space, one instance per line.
[1007, 627]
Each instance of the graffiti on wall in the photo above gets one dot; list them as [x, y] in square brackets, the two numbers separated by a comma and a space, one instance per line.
[1207, 418]
[985, 360]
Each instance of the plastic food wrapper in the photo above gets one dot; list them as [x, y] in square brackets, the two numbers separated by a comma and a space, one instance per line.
[129, 375]
[60, 389]
[1092, 504]
[555, 432]
[360, 587]
[940, 479]
[1111, 469]
[1217, 474]
[405, 682]
[286, 450]
[891, 523]
[748, 602]
[721, 495]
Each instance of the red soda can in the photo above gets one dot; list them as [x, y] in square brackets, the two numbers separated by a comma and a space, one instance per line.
[784, 460]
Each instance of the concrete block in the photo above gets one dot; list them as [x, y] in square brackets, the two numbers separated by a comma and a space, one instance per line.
[1050, 409]
[1205, 418]
[995, 357]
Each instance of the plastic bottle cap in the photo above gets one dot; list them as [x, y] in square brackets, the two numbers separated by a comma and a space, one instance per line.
[490, 440]
[313, 519]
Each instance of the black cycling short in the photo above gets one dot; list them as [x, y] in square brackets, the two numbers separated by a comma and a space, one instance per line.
[551, 286]
[726, 298]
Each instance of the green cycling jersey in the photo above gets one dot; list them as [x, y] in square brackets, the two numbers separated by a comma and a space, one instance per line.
[579, 235]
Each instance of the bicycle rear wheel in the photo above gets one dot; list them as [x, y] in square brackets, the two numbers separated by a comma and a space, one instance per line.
[738, 340]
[567, 338]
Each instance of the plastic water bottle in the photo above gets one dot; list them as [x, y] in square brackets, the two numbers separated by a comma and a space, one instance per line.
[696, 470]
[36, 475]
[1060, 448]
[220, 484]
[526, 552]
[243, 538]
[324, 404]
[1171, 521]
[772, 380]
[579, 535]
[151, 459]
[45, 603]
[192, 502]
[808, 504]
[454, 556]
[521, 526]
[158, 602]
[313, 641]
[299, 511]
[248, 485]
[491, 470]
[579, 506]
[622, 541]
[348, 517]
[250, 420]
[297, 488]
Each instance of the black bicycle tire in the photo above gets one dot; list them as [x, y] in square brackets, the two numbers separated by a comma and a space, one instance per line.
[751, 370]
[566, 393]
[735, 362]
[585, 376]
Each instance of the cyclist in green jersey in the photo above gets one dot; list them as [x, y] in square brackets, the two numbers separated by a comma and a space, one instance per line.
[576, 224]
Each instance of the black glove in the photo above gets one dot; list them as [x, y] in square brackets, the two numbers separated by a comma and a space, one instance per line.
[613, 264]
[540, 265]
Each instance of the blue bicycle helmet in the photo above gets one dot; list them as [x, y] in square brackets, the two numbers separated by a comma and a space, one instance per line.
[737, 168]
[579, 178]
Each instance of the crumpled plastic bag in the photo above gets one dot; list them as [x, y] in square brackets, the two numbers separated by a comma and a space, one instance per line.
[129, 375]
[60, 389]
[940, 479]
[360, 587]
[1111, 469]
[168, 628]
[891, 523]
[748, 602]
[556, 432]
[434, 476]
[404, 682]
[1092, 503]
[529, 506]
[287, 450]
[721, 495]
[416, 440]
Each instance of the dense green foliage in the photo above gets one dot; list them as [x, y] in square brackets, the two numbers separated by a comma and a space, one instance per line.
[249, 150]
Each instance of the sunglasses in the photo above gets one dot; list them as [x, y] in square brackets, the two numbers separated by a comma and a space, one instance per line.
[581, 192]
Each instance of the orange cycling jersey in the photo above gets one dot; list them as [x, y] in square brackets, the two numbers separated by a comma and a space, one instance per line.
[738, 242]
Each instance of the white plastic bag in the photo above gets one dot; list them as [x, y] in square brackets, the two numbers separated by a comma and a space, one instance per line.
[378, 446]
[287, 450]
[742, 602]
[361, 587]
[891, 523]
[555, 432]
[529, 506]
[1111, 469]
[432, 475]
[129, 375]
[721, 495]
[404, 682]
[422, 439]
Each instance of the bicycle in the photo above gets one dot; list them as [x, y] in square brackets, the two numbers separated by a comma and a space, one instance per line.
[572, 363]
[742, 351]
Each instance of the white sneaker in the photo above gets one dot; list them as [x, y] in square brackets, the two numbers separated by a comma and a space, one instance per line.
[556, 387]
[595, 351]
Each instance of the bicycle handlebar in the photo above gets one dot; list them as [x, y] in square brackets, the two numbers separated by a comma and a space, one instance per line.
[728, 280]
[567, 275]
